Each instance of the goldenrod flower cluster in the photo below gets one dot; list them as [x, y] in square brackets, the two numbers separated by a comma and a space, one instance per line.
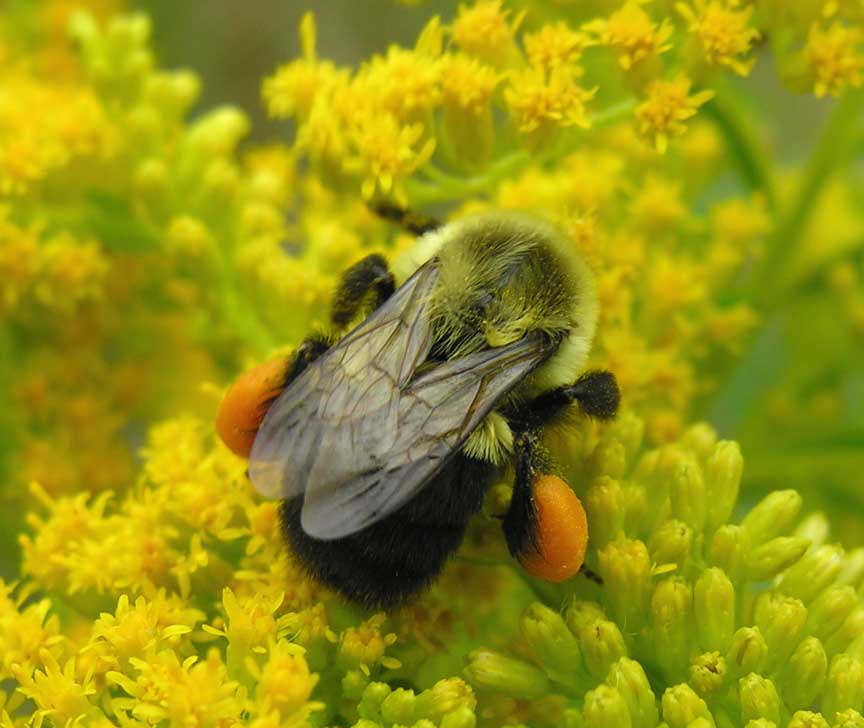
[147, 256]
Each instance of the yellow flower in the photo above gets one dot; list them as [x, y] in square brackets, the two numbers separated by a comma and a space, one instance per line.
[545, 101]
[365, 646]
[72, 273]
[484, 30]
[292, 90]
[386, 153]
[657, 207]
[404, 83]
[25, 629]
[834, 57]
[284, 683]
[555, 45]
[668, 105]
[467, 84]
[633, 34]
[722, 31]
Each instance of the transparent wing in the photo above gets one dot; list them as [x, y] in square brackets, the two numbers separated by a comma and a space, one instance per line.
[360, 435]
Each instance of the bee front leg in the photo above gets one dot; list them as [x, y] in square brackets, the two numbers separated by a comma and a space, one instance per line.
[412, 222]
[520, 523]
[595, 392]
[365, 285]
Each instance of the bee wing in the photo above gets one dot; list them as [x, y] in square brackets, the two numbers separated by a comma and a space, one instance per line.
[359, 434]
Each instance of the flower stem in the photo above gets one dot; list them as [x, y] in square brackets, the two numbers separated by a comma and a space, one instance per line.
[747, 150]
[832, 150]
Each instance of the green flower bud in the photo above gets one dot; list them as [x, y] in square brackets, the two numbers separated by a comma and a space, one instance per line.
[844, 688]
[730, 551]
[602, 644]
[851, 629]
[672, 616]
[423, 723]
[849, 719]
[398, 707]
[365, 723]
[354, 683]
[759, 698]
[572, 718]
[761, 723]
[708, 673]
[628, 678]
[772, 516]
[460, 718]
[681, 706]
[556, 648]
[776, 555]
[828, 611]
[714, 608]
[625, 567]
[815, 528]
[806, 719]
[672, 544]
[802, 678]
[781, 620]
[580, 614]
[654, 471]
[688, 494]
[606, 708]
[217, 133]
[604, 506]
[722, 481]
[701, 723]
[610, 458]
[489, 670]
[747, 651]
[814, 573]
[700, 438]
[635, 499]
[853, 568]
[445, 696]
[628, 429]
[373, 696]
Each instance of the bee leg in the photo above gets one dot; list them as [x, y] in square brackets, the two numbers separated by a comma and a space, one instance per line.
[309, 350]
[409, 220]
[369, 278]
[596, 393]
[520, 523]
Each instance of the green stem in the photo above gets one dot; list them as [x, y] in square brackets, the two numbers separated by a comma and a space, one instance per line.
[832, 150]
[748, 152]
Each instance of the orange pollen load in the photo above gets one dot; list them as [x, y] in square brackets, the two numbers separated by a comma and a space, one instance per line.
[245, 404]
[563, 531]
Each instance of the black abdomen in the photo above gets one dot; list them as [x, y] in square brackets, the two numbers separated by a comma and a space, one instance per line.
[392, 560]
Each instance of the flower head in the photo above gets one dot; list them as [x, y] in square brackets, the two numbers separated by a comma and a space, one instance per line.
[668, 105]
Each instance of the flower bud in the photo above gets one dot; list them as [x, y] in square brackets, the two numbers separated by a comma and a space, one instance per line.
[761, 723]
[806, 719]
[580, 614]
[853, 568]
[602, 644]
[610, 458]
[554, 644]
[759, 698]
[373, 696]
[635, 499]
[802, 678]
[747, 651]
[772, 516]
[460, 718]
[688, 495]
[730, 551]
[700, 438]
[217, 133]
[722, 481]
[714, 608]
[849, 719]
[778, 554]
[672, 614]
[781, 620]
[681, 706]
[398, 707]
[829, 610]
[491, 670]
[628, 429]
[844, 688]
[625, 567]
[628, 678]
[444, 697]
[815, 528]
[605, 508]
[851, 629]
[708, 673]
[672, 544]
[814, 573]
[605, 708]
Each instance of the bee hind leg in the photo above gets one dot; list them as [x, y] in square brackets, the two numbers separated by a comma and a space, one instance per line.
[363, 287]
[521, 525]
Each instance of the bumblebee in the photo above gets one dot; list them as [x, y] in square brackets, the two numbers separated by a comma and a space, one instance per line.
[384, 437]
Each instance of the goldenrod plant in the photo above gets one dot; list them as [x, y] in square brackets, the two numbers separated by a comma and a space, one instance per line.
[148, 255]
